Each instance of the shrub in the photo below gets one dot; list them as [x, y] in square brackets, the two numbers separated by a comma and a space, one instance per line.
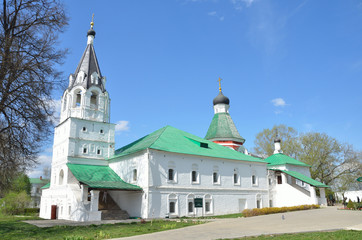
[271, 210]
[350, 204]
[31, 211]
[14, 203]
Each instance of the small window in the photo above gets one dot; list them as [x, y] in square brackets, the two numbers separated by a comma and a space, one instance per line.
[279, 178]
[191, 207]
[84, 150]
[170, 174]
[134, 174]
[101, 131]
[253, 179]
[78, 100]
[84, 129]
[204, 145]
[235, 178]
[172, 207]
[215, 177]
[207, 206]
[98, 151]
[258, 203]
[194, 176]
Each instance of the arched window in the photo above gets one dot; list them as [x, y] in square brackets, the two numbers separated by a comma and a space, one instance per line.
[190, 204]
[215, 175]
[208, 204]
[134, 174]
[61, 177]
[77, 98]
[258, 201]
[195, 174]
[171, 172]
[172, 204]
[94, 100]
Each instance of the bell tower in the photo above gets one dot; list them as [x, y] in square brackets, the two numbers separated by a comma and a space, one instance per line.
[84, 134]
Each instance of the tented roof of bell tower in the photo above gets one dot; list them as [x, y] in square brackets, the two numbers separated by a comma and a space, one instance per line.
[88, 64]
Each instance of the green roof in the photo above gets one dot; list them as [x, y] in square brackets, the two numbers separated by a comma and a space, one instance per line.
[281, 159]
[222, 127]
[45, 186]
[99, 177]
[171, 139]
[38, 181]
[303, 178]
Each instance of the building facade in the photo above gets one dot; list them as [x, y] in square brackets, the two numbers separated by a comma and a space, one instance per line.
[167, 173]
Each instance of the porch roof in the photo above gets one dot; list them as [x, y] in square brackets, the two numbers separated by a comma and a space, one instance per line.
[99, 177]
[303, 178]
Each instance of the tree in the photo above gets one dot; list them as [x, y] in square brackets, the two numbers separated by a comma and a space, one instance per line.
[329, 159]
[21, 183]
[28, 76]
[264, 141]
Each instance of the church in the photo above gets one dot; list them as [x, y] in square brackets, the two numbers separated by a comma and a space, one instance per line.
[166, 174]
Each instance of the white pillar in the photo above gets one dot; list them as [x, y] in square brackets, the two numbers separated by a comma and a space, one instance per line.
[284, 178]
[313, 195]
[323, 196]
[94, 200]
[84, 192]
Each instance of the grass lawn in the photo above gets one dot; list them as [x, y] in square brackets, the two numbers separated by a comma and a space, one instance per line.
[337, 235]
[14, 228]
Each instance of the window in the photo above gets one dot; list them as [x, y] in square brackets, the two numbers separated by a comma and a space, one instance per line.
[258, 203]
[170, 174]
[78, 99]
[94, 100]
[61, 177]
[134, 174]
[98, 151]
[172, 204]
[85, 150]
[101, 131]
[253, 179]
[215, 177]
[84, 129]
[270, 203]
[172, 207]
[207, 206]
[194, 176]
[191, 207]
[279, 178]
[190, 204]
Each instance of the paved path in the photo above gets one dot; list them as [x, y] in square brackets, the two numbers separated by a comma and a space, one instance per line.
[324, 219]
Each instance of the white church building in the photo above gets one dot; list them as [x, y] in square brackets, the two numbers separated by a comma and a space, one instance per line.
[167, 173]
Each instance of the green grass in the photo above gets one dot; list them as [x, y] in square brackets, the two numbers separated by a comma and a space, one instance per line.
[14, 228]
[337, 235]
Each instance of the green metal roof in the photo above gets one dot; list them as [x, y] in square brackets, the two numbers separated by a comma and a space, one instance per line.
[99, 177]
[222, 127]
[171, 139]
[38, 181]
[304, 178]
[281, 159]
[45, 186]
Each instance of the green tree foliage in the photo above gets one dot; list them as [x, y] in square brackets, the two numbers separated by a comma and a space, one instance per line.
[264, 141]
[28, 76]
[332, 162]
[21, 183]
[14, 203]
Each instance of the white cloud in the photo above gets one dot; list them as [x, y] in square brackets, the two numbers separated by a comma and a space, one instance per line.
[43, 161]
[122, 126]
[239, 4]
[279, 102]
[214, 14]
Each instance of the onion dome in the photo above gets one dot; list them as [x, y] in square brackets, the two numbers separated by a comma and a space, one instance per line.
[221, 99]
[91, 32]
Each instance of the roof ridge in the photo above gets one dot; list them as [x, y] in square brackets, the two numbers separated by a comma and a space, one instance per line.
[158, 137]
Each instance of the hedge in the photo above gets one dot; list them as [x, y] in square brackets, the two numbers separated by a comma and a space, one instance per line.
[271, 210]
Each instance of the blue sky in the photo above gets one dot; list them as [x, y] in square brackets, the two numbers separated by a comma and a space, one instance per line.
[296, 62]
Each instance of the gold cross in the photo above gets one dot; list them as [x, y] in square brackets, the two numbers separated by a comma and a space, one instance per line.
[219, 83]
[92, 23]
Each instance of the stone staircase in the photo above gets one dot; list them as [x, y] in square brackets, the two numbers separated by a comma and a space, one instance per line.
[109, 208]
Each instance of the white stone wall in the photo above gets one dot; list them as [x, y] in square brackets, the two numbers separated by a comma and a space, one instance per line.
[224, 196]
